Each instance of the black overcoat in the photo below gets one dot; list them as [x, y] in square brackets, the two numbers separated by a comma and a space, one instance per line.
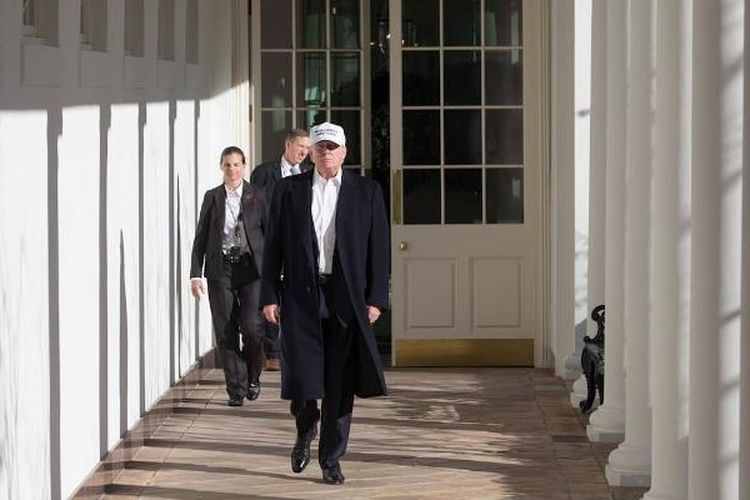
[266, 175]
[209, 231]
[363, 249]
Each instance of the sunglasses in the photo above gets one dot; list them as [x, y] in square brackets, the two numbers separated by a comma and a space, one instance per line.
[330, 146]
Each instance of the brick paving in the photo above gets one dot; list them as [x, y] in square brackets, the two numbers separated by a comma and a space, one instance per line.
[470, 433]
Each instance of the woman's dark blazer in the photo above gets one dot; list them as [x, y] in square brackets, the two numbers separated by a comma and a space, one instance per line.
[209, 231]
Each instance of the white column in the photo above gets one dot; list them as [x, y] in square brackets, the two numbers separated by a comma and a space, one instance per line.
[670, 263]
[630, 463]
[597, 174]
[563, 178]
[717, 133]
[607, 423]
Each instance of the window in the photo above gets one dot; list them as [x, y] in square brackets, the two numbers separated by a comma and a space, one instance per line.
[165, 41]
[94, 24]
[134, 28]
[39, 19]
[191, 32]
[463, 112]
[312, 59]
[29, 15]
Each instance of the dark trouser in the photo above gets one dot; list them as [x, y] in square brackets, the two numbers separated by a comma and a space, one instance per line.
[271, 341]
[234, 308]
[340, 372]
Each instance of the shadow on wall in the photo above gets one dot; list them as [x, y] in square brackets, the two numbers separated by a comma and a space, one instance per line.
[54, 133]
[123, 341]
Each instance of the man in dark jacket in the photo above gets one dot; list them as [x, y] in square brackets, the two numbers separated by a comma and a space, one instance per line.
[328, 230]
[229, 236]
[265, 176]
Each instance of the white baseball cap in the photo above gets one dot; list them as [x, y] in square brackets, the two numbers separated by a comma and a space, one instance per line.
[327, 132]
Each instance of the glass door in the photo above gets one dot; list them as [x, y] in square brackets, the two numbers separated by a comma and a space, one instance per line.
[466, 143]
[309, 66]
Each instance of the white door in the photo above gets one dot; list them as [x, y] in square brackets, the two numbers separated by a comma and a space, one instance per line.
[467, 148]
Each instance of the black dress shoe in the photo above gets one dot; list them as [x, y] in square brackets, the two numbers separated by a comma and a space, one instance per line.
[333, 475]
[236, 401]
[301, 451]
[253, 391]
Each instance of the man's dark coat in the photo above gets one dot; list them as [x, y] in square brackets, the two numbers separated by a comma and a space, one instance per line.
[266, 175]
[362, 246]
[209, 232]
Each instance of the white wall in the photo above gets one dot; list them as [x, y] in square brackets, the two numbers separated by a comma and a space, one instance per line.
[103, 159]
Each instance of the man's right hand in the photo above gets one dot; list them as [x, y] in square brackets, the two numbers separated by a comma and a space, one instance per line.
[196, 287]
[272, 313]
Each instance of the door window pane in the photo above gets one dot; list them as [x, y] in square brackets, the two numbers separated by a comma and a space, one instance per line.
[463, 137]
[28, 13]
[462, 23]
[463, 196]
[311, 78]
[349, 120]
[502, 22]
[504, 138]
[421, 78]
[275, 125]
[277, 80]
[462, 74]
[345, 76]
[309, 117]
[345, 24]
[503, 77]
[134, 28]
[421, 137]
[504, 195]
[422, 196]
[276, 13]
[311, 24]
[419, 23]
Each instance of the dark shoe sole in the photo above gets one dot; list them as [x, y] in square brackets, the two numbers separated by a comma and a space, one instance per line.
[333, 478]
[253, 391]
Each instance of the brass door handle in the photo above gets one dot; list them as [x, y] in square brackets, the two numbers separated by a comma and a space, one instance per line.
[403, 246]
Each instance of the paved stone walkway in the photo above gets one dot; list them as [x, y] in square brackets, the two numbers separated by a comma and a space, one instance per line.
[442, 433]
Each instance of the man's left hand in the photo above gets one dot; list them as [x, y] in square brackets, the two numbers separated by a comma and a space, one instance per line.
[373, 313]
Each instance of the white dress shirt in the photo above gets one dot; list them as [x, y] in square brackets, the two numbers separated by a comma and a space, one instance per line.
[231, 212]
[288, 169]
[325, 194]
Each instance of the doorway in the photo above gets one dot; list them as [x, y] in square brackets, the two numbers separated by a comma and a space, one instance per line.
[451, 122]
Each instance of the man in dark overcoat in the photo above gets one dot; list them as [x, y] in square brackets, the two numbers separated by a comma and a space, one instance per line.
[328, 231]
[229, 238]
[292, 161]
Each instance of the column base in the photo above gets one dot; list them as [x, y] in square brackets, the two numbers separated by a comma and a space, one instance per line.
[572, 367]
[607, 424]
[629, 466]
[579, 392]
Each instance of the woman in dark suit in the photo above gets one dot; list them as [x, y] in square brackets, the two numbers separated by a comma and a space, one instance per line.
[229, 238]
